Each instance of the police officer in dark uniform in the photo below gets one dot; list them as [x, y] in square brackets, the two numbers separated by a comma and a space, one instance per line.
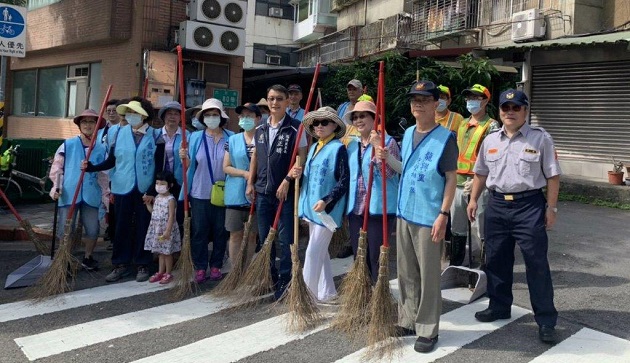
[515, 163]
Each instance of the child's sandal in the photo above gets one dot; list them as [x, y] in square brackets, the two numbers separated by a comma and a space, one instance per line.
[156, 277]
[166, 278]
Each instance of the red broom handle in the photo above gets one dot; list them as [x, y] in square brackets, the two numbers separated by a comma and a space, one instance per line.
[368, 196]
[182, 101]
[89, 151]
[297, 139]
[381, 92]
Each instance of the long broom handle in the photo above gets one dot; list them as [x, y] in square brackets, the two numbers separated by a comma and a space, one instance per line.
[368, 196]
[296, 198]
[182, 101]
[297, 139]
[381, 98]
[89, 152]
[54, 232]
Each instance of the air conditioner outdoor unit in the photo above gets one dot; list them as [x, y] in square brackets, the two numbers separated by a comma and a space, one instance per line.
[528, 25]
[273, 59]
[231, 13]
[276, 12]
[212, 38]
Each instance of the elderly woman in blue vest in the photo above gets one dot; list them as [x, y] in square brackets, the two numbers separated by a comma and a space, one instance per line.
[172, 135]
[323, 196]
[137, 154]
[359, 159]
[238, 154]
[206, 152]
[95, 188]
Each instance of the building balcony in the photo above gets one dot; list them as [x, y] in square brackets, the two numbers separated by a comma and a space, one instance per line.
[438, 20]
[314, 27]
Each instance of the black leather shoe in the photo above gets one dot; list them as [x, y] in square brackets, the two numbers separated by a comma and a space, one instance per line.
[404, 332]
[547, 334]
[425, 345]
[489, 315]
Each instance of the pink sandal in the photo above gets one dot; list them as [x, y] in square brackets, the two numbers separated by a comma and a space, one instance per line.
[166, 279]
[156, 277]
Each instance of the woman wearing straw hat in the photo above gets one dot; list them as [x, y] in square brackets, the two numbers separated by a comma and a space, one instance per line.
[137, 154]
[95, 188]
[205, 178]
[360, 157]
[323, 196]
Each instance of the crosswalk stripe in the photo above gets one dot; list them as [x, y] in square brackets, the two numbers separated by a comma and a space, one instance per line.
[98, 331]
[234, 345]
[587, 345]
[457, 328]
[75, 299]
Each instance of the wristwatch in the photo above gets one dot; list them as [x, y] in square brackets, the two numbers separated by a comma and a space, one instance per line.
[446, 213]
[554, 209]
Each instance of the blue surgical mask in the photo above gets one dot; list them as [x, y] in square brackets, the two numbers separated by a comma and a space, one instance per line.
[264, 117]
[212, 121]
[247, 123]
[134, 119]
[473, 106]
[197, 124]
[441, 105]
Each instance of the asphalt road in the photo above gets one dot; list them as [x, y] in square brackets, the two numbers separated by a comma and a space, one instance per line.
[589, 252]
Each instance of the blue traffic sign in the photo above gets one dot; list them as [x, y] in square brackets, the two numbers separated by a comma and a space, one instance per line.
[11, 22]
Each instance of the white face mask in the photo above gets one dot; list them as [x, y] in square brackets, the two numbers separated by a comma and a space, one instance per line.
[134, 119]
[441, 105]
[212, 121]
[473, 106]
[161, 188]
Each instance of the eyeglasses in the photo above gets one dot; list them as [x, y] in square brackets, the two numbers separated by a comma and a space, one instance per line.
[88, 121]
[515, 108]
[275, 99]
[320, 122]
[473, 98]
[111, 111]
[422, 101]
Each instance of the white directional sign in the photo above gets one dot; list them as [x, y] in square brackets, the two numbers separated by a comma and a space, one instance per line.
[12, 31]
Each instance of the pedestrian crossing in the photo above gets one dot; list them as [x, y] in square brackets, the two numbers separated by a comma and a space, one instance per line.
[205, 329]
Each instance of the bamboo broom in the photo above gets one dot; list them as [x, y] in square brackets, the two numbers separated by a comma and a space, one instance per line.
[40, 246]
[55, 280]
[185, 284]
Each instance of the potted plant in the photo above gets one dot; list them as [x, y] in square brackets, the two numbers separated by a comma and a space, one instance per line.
[615, 176]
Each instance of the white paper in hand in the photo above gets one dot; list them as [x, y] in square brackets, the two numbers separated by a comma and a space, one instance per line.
[327, 221]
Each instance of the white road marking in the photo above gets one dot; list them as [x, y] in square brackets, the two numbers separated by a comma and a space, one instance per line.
[588, 345]
[234, 345]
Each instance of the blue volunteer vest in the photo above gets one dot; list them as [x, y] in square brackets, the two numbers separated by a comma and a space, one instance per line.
[194, 144]
[177, 162]
[135, 165]
[90, 192]
[235, 185]
[342, 109]
[422, 186]
[319, 180]
[376, 202]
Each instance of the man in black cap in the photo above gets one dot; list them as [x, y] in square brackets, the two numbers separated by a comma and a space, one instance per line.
[295, 96]
[515, 163]
[427, 188]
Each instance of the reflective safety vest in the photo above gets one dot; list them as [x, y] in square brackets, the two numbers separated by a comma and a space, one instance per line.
[468, 153]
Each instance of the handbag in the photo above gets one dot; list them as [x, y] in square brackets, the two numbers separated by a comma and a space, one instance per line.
[217, 193]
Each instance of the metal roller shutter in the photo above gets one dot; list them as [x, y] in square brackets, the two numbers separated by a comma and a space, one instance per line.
[585, 107]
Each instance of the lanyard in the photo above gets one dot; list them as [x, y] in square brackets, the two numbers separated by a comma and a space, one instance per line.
[205, 146]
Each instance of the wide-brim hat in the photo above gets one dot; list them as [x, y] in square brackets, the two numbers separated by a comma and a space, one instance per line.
[192, 112]
[209, 104]
[132, 105]
[324, 113]
[263, 103]
[89, 113]
[170, 105]
[361, 106]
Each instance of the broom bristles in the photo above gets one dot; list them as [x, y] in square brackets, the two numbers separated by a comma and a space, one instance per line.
[39, 245]
[339, 240]
[303, 313]
[257, 280]
[381, 337]
[55, 280]
[355, 294]
[185, 285]
[230, 282]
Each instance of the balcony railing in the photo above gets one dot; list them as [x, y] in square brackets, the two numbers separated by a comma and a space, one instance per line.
[435, 19]
[390, 33]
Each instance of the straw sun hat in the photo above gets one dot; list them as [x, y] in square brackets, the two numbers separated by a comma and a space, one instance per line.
[324, 113]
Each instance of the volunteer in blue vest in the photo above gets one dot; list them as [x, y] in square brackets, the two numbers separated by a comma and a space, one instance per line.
[427, 188]
[238, 155]
[294, 110]
[354, 89]
[192, 122]
[206, 182]
[360, 158]
[270, 179]
[136, 154]
[170, 113]
[470, 134]
[94, 190]
[323, 196]
[515, 163]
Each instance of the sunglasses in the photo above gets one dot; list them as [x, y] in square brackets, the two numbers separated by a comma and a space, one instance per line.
[320, 122]
[515, 108]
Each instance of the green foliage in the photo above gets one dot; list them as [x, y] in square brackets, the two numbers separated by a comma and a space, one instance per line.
[591, 200]
[400, 73]
[15, 2]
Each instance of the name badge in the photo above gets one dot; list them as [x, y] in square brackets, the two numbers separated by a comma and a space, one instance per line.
[531, 151]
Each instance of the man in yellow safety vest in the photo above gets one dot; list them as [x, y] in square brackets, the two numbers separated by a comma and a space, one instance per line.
[470, 134]
[443, 116]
